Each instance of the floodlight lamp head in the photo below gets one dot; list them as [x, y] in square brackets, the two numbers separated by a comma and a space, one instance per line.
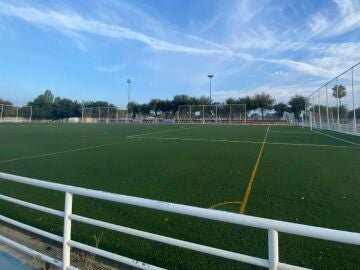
[128, 81]
[210, 75]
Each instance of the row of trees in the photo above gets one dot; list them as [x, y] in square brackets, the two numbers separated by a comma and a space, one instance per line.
[47, 106]
[262, 101]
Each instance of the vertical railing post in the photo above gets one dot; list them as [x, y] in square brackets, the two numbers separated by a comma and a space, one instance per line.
[190, 114]
[327, 107]
[30, 113]
[1, 114]
[338, 104]
[245, 114]
[82, 114]
[203, 111]
[353, 100]
[320, 123]
[273, 243]
[230, 113]
[67, 230]
[216, 114]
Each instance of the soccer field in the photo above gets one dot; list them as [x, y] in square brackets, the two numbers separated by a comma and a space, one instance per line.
[278, 172]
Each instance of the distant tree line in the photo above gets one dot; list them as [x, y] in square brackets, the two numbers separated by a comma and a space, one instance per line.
[47, 106]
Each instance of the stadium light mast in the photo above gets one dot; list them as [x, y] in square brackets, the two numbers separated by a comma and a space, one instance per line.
[129, 89]
[210, 77]
[127, 107]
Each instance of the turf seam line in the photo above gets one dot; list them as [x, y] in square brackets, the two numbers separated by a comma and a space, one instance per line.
[343, 140]
[66, 151]
[253, 174]
[248, 142]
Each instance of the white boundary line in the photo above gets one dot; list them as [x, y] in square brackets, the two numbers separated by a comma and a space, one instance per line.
[291, 132]
[333, 137]
[246, 142]
[159, 132]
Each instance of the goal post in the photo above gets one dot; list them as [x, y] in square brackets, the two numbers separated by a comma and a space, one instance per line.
[212, 114]
[107, 114]
[15, 114]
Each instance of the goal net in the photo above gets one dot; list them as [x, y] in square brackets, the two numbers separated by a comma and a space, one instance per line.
[103, 115]
[207, 114]
[15, 114]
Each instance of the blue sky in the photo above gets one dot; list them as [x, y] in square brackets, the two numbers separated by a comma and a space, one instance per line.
[87, 49]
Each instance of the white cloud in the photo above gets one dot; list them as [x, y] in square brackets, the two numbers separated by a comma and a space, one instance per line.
[281, 93]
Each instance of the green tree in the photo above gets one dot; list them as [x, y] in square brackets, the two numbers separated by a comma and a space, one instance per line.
[280, 108]
[155, 105]
[42, 105]
[204, 100]
[65, 108]
[357, 114]
[263, 101]
[230, 100]
[5, 102]
[339, 91]
[144, 109]
[249, 102]
[133, 108]
[297, 104]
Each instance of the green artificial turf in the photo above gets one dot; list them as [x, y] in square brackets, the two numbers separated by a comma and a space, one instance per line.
[303, 176]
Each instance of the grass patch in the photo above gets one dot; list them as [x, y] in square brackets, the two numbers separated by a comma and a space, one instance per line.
[194, 165]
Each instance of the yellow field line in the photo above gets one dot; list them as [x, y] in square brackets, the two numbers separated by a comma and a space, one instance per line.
[224, 203]
[253, 174]
[66, 151]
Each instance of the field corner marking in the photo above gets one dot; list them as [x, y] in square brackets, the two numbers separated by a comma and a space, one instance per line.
[253, 174]
[224, 203]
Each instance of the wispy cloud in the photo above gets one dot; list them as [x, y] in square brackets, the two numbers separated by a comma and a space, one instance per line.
[234, 42]
[349, 16]
[330, 23]
[75, 23]
[112, 68]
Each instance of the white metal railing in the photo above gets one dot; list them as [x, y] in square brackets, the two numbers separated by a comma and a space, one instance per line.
[272, 226]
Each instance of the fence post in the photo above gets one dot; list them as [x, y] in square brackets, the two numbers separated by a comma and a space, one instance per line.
[273, 243]
[320, 110]
[353, 100]
[313, 109]
[67, 230]
[1, 115]
[216, 114]
[327, 108]
[245, 114]
[338, 104]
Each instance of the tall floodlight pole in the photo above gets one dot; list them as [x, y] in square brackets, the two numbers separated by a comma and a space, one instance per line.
[127, 107]
[210, 77]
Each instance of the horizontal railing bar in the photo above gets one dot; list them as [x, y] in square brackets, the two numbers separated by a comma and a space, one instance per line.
[113, 256]
[257, 222]
[29, 251]
[284, 266]
[32, 206]
[333, 79]
[174, 242]
[31, 229]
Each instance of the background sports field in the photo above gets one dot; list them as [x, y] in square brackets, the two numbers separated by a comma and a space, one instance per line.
[303, 176]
